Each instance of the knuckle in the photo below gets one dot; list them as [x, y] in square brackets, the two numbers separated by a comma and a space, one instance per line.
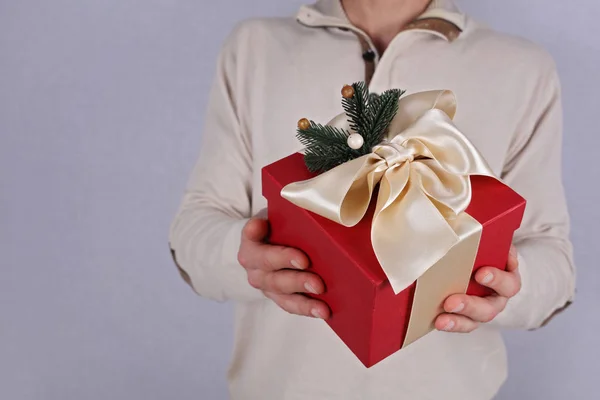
[270, 258]
[270, 283]
[278, 282]
[464, 325]
[288, 253]
[473, 327]
[253, 230]
[247, 254]
[284, 255]
[270, 296]
[289, 282]
[254, 280]
[292, 306]
[501, 307]
[305, 308]
[247, 229]
[241, 258]
[518, 287]
[489, 316]
[513, 287]
[284, 305]
[459, 326]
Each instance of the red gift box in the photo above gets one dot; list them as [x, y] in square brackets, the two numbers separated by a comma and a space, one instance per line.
[366, 314]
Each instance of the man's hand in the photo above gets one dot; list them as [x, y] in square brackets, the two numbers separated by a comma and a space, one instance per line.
[464, 313]
[280, 272]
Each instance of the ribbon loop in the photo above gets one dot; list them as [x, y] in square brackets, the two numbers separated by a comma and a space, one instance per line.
[423, 173]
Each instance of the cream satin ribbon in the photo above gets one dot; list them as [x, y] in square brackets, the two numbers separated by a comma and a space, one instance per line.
[423, 170]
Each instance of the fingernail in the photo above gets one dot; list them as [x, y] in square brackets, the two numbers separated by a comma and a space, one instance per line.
[458, 308]
[315, 313]
[487, 278]
[513, 252]
[309, 288]
[296, 264]
[449, 326]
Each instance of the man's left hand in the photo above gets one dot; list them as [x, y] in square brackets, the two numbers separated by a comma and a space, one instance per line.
[464, 312]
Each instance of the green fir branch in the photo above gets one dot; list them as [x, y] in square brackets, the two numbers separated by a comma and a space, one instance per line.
[326, 147]
[373, 97]
[380, 113]
[356, 107]
[322, 134]
[319, 159]
[369, 115]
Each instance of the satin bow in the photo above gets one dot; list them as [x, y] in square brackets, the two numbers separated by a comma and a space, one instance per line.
[422, 168]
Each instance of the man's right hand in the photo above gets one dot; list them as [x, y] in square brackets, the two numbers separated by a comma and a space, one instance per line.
[280, 272]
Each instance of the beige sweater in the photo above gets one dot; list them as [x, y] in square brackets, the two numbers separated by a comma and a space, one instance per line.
[271, 73]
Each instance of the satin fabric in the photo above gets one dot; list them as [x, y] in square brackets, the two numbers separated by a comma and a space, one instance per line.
[423, 169]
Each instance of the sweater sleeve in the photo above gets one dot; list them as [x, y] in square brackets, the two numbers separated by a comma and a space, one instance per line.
[206, 232]
[533, 169]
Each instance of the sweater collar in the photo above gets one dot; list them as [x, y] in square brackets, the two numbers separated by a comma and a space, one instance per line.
[331, 13]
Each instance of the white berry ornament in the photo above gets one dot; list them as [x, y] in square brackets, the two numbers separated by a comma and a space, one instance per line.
[355, 141]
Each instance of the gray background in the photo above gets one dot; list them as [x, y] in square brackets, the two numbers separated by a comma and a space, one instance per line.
[101, 104]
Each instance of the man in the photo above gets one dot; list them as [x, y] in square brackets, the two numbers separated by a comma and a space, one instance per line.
[272, 72]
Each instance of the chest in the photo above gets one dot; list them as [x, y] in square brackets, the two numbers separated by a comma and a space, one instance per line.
[307, 80]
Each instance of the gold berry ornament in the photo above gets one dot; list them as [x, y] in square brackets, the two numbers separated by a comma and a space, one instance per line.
[303, 124]
[347, 92]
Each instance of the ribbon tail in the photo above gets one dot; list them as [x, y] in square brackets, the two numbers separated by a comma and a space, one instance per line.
[409, 235]
[448, 276]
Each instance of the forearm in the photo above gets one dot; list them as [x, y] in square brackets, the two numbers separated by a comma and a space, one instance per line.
[548, 284]
[204, 243]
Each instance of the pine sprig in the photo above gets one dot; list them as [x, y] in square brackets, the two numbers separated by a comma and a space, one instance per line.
[373, 97]
[369, 115]
[356, 107]
[318, 134]
[380, 113]
[326, 147]
[320, 159]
